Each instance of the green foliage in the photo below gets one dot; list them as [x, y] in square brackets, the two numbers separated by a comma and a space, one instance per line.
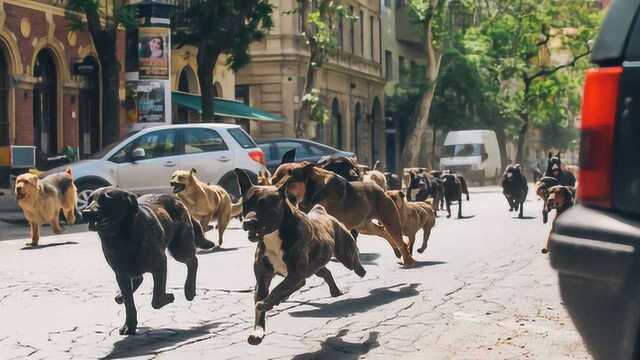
[112, 14]
[228, 26]
[317, 110]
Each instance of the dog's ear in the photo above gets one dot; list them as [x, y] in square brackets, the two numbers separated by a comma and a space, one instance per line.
[244, 181]
[354, 173]
[289, 157]
[68, 171]
[558, 155]
[550, 154]
[193, 171]
[133, 202]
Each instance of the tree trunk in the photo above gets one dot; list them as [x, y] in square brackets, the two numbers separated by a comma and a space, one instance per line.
[434, 163]
[412, 146]
[110, 71]
[522, 137]
[502, 145]
[207, 59]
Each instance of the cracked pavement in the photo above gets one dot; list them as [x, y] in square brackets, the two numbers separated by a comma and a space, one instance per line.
[481, 290]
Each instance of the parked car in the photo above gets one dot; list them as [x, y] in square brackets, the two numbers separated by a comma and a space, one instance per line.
[595, 245]
[145, 159]
[472, 153]
[305, 150]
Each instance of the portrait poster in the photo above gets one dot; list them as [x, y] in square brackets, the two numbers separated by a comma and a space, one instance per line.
[146, 101]
[153, 52]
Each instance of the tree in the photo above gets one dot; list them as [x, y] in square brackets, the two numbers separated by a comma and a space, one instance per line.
[102, 19]
[516, 41]
[320, 19]
[215, 27]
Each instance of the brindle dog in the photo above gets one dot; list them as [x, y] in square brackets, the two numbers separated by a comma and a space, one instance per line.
[290, 244]
[561, 198]
[134, 233]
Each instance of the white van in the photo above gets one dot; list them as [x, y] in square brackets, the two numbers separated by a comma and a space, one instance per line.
[472, 153]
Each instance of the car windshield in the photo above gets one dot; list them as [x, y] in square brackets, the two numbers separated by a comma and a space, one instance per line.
[100, 154]
[461, 150]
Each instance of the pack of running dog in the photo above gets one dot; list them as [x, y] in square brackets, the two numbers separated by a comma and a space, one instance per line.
[300, 217]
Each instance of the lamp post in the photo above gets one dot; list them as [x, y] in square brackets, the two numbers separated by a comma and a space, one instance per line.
[148, 64]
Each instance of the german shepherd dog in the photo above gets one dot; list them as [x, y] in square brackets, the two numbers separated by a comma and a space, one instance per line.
[135, 233]
[561, 198]
[452, 192]
[542, 187]
[290, 244]
[515, 188]
[354, 203]
[556, 169]
[205, 202]
[42, 200]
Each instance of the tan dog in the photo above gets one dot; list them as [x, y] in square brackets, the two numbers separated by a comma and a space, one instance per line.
[561, 198]
[376, 176]
[42, 199]
[205, 202]
[414, 216]
[264, 178]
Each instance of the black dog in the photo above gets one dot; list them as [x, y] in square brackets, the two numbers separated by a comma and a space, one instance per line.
[135, 234]
[393, 181]
[515, 188]
[343, 166]
[291, 244]
[452, 192]
[422, 187]
[554, 169]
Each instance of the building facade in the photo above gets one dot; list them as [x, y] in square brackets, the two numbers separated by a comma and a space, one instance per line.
[351, 83]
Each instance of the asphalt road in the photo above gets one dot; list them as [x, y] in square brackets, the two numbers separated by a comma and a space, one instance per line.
[482, 290]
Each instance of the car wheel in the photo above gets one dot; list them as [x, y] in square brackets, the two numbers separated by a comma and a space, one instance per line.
[84, 192]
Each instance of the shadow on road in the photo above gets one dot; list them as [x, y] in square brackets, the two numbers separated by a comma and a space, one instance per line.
[376, 298]
[466, 217]
[525, 217]
[44, 246]
[151, 342]
[216, 249]
[421, 264]
[336, 348]
[21, 230]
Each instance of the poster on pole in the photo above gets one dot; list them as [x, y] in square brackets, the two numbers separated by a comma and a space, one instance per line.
[153, 52]
[146, 101]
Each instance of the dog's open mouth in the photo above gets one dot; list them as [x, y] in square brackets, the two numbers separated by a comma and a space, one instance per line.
[177, 187]
[20, 196]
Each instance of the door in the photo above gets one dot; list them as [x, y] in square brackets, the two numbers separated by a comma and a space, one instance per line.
[207, 152]
[151, 174]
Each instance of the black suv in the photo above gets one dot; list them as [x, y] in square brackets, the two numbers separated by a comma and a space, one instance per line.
[594, 246]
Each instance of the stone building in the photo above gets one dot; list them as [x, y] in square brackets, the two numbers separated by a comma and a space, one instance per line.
[351, 83]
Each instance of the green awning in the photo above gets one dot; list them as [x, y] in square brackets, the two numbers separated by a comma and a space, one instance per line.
[224, 107]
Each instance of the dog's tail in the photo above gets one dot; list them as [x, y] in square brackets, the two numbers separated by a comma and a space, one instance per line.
[375, 166]
[198, 236]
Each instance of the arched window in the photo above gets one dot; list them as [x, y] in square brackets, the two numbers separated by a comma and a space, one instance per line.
[45, 119]
[186, 83]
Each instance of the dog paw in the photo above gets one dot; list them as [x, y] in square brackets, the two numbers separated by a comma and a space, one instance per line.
[397, 252]
[263, 306]
[209, 227]
[409, 262]
[190, 293]
[128, 329]
[118, 299]
[164, 300]
[256, 337]
[421, 250]
[448, 216]
[336, 292]
[510, 210]
[544, 250]
[360, 271]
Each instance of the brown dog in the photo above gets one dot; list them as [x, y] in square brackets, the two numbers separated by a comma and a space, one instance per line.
[414, 216]
[376, 176]
[353, 203]
[205, 202]
[264, 178]
[560, 198]
[42, 199]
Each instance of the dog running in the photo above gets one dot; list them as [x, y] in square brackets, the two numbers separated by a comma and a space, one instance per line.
[415, 216]
[42, 200]
[515, 188]
[135, 233]
[291, 244]
[561, 198]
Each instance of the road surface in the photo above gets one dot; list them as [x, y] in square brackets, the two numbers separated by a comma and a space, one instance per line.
[482, 290]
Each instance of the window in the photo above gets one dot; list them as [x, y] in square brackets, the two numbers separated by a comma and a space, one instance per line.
[158, 144]
[387, 3]
[361, 20]
[461, 150]
[352, 34]
[371, 27]
[242, 138]
[388, 64]
[317, 150]
[284, 146]
[202, 140]
[401, 68]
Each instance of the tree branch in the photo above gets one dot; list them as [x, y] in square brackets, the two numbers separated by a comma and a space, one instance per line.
[549, 72]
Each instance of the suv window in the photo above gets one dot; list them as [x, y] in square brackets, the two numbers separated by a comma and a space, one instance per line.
[284, 146]
[156, 145]
[242, 138]
[202, 140]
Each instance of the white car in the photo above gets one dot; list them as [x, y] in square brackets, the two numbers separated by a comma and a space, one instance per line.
[144, 160]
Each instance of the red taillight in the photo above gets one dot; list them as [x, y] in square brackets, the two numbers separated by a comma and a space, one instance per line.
[599, 106]
[257, 156]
